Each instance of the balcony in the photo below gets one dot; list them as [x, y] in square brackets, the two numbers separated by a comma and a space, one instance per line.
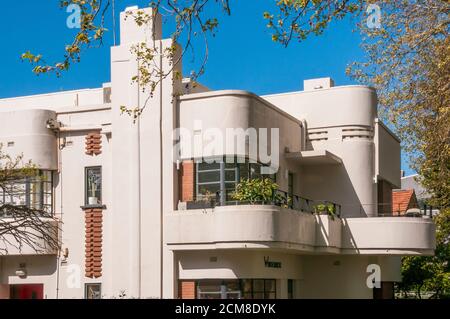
[220, 223]
[285, 223]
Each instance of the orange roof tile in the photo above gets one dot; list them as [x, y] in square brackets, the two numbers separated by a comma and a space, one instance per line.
[402, 200]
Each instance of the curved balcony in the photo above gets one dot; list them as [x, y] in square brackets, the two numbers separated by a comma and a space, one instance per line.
[241, 226]
[222, 224]
[389, 235]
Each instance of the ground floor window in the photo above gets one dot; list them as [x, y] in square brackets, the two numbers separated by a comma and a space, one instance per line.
[236, 289]
[290, 289]
[93, 291]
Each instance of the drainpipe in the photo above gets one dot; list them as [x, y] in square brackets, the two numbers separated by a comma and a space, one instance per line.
[58, 266]
[161, 158]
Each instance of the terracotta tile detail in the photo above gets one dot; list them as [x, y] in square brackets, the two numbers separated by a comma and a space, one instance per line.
[187, 181]
[402, 200]
[93, 144]
[187, 290]
[93, 242]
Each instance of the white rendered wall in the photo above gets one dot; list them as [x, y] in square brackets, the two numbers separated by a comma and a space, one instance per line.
[340, 120]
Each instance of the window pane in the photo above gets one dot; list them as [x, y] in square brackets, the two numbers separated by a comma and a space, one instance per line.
[209, 177]
[93, 291]
[258, 285]
[230, 175]
[206, 167]
[258, 295]
[243, 171]
[246, 285]
[255, 170]
[208, 189]
[270, 285]
[269, 295]
[93, 186]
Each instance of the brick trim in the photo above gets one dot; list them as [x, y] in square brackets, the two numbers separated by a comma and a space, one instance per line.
[187, 289]
[93, 143]
[93, 242]
[187, 181]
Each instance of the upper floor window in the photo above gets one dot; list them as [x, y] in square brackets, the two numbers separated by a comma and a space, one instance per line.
[221, 177]
[34, 191]
[93, 186]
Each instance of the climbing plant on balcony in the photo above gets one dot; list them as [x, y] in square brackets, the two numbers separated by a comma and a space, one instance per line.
[260, 190]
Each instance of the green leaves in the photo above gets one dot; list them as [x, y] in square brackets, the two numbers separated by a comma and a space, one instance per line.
[257, 191]
[429, 276]
[297, 19]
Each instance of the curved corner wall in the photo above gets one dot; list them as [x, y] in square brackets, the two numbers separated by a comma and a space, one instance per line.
[25, 132]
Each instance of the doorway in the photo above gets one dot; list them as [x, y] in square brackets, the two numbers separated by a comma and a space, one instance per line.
[26, 291]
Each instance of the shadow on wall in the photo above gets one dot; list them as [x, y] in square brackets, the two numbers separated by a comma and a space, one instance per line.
[34, 266]
[331, 183]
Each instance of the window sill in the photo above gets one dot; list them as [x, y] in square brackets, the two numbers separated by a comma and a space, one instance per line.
[85, 207]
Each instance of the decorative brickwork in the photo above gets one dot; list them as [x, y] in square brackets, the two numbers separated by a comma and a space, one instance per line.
[187, 181]
[94, 232]
[187, 290]
[94, 143]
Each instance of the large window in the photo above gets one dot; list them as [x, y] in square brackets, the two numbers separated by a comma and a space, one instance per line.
[93, 186]
[34, 192]
[236, 289]
[221, 177]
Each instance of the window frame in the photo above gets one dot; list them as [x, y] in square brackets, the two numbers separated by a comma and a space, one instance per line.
[43, 198]
[86, 287]
[86, 185]
[222, 170]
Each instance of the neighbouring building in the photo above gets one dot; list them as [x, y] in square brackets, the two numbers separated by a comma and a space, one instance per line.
[139, 220]
[404, 201]
[422, 195]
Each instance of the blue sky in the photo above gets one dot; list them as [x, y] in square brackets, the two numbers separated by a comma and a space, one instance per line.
[242, 55]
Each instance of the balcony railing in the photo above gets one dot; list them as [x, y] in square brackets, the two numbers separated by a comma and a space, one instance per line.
[280, 198]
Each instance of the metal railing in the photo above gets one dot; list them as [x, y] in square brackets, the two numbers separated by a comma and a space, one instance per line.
[279, 198]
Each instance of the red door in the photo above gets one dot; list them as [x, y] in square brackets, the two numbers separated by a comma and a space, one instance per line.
[31, 291]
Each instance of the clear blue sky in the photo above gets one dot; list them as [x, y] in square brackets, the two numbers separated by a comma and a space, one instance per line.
[242, 55]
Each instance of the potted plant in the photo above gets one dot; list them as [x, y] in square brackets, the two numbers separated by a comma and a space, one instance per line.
[258, 191]
[325, 209]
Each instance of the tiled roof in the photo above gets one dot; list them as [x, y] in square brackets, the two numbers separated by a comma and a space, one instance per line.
[402, 200]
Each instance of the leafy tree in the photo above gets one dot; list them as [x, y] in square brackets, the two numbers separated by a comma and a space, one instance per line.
[20, 225]
[430, 274]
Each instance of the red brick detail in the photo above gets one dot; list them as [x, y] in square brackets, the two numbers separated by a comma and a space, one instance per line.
[93, 242]
[402, 200]
[93, 144]
[187, 290]
[187, 181]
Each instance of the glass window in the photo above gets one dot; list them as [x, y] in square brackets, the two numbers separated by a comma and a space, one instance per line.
[290, 289]
[34, 191]
[93, 186]
[222, 177]
[238, 288]
[93, 291]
